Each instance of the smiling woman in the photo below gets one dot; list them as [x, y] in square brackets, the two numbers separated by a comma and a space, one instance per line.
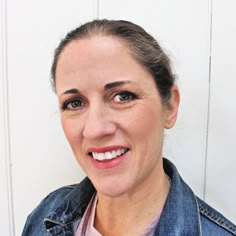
[107, 115]
[117, 95]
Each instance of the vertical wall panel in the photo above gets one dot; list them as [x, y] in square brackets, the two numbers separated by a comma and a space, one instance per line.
[183, 28]
[6, 213]
[41, 158]
[221, 159]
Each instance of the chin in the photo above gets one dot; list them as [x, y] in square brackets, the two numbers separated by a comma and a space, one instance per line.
[111, 187]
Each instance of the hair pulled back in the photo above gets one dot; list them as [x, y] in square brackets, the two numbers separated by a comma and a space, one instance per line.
[142, 46]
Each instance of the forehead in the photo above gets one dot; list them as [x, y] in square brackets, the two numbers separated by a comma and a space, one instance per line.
[99, 58]
[92, 48]
[95, 52]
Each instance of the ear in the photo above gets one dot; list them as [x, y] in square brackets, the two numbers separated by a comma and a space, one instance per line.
[172, 108]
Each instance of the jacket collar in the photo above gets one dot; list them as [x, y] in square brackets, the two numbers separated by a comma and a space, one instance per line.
[180, 215]
[69, 213]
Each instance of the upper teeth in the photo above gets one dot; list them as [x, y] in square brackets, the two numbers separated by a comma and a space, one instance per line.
[108, 155]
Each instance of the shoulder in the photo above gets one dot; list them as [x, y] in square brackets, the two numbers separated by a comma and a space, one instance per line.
[65, 204]
[213, 222]
[34, 222]
[209, 221]
[53, 199]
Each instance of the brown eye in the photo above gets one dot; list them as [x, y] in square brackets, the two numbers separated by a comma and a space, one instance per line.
[124, 97]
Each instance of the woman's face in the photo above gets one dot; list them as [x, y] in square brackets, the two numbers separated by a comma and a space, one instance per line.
[111, 114]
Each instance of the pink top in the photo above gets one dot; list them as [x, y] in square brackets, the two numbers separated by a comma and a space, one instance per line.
[86, 227]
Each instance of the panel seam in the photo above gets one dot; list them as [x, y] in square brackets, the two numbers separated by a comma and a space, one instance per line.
[209, 97]
[96, 9]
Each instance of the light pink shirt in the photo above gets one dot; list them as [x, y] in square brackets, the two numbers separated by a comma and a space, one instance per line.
[86, 227]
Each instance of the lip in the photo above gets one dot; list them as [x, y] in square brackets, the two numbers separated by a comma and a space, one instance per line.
[107, 164]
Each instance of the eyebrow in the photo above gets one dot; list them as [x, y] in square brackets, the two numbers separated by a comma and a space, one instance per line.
[106, 87]
[115, 84]
[73, 91]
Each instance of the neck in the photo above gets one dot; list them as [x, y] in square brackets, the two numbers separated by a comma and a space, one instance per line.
[137, 208]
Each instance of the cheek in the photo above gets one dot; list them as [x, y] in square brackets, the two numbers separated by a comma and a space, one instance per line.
[71, 130]
[145, 122]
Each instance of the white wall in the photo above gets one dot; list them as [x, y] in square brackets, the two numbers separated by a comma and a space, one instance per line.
[34, 155]
[221, 156]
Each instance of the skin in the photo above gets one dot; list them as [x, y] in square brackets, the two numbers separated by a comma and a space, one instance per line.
[93, 76]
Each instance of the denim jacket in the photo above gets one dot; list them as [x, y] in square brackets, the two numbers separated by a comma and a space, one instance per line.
[183, 214]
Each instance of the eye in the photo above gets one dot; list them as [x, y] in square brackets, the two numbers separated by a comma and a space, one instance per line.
[74, 104]
[124, 96]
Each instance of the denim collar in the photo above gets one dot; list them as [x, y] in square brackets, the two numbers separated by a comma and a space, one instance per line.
[180, 215]
[68, 214]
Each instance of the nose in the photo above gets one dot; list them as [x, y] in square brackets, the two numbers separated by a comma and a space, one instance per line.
[99, 123]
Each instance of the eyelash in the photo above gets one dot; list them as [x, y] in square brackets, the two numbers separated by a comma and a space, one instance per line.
[70, 102]
[131, 96]
[77, 103]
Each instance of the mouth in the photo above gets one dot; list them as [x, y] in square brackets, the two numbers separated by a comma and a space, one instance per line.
[108, 155]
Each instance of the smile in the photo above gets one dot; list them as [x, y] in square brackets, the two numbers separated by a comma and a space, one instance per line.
[101, 156]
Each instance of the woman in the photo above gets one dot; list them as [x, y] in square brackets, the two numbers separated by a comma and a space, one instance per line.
[117, 94]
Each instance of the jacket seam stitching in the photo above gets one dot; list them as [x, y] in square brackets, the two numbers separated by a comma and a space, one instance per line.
[217, 219]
